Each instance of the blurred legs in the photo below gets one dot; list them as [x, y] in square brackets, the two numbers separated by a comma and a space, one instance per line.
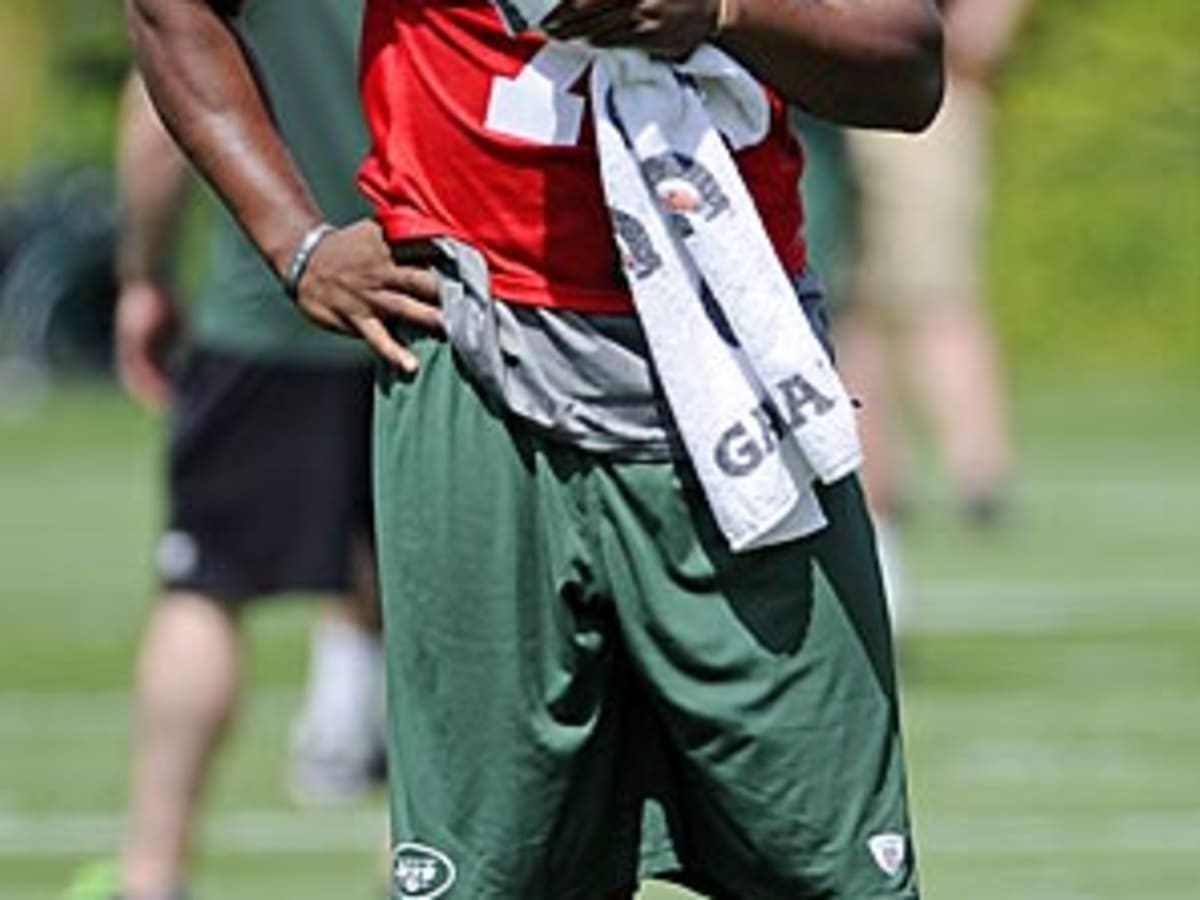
[954, 359]
[186, 691]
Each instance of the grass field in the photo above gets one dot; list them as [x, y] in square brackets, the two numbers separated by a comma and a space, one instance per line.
[1052, 685]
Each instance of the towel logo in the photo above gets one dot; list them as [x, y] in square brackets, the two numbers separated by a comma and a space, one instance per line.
[420, 872]
[684, 188]
[744, 446]
[638, 255]
[889, 850]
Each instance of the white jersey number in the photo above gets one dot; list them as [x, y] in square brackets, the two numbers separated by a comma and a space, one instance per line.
[537, 105]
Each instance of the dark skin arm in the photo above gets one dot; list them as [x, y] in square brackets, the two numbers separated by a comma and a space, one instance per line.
[200, 75]
[865, 63]
[861, 62]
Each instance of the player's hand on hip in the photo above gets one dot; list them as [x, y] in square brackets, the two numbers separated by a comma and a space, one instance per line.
[670, 29]
[355, 284]
[146, 330]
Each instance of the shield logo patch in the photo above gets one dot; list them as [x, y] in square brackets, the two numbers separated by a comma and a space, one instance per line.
[889, 850]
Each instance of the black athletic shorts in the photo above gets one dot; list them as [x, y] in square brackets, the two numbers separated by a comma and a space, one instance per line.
[268, 477]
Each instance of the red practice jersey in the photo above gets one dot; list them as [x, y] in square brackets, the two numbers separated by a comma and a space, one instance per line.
[444, 162]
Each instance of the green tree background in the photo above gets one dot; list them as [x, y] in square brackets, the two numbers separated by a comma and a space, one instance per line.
[61, 63]
[1094, 254]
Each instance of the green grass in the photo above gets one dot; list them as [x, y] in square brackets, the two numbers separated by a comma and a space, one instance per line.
[1051, 685]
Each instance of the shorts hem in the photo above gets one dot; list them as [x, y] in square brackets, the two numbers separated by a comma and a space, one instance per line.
[662, 863]
[224, 595]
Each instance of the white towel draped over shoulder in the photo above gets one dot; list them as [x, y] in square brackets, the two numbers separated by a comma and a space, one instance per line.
[755, 398]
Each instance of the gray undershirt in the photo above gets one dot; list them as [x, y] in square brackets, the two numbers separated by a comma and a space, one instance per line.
[584, 379]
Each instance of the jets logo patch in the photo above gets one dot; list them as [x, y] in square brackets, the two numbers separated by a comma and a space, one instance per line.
[420, 872]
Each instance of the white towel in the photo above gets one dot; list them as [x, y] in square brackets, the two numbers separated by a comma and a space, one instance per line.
[756, 400]
[754, 395]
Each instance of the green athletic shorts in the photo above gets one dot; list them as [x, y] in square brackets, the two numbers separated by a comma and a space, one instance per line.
[586, 687]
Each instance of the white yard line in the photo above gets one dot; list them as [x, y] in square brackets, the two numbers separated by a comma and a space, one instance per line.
[1025, 835]
[244, 832]
[939, 606]
[1031, 606]
[56, 714]
[266, 831]
[942, 606]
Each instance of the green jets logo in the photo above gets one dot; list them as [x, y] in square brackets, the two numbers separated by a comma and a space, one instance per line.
[420, 872]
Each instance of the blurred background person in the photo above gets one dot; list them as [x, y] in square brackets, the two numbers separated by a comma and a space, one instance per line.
[917, 324]
[830, 191]
[268, 462]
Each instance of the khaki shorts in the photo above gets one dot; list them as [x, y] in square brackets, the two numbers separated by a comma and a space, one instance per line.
[922, 206]
[585, 687]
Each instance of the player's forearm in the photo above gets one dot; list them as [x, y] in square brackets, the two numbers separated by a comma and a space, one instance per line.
[866, 63]
[152, 185]
[203, 83]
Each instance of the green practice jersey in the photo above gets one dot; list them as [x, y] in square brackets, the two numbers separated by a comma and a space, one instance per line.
[309, 63]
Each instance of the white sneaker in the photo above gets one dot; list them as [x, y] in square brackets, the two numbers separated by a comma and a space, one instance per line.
[328, 769]
[337, 738]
